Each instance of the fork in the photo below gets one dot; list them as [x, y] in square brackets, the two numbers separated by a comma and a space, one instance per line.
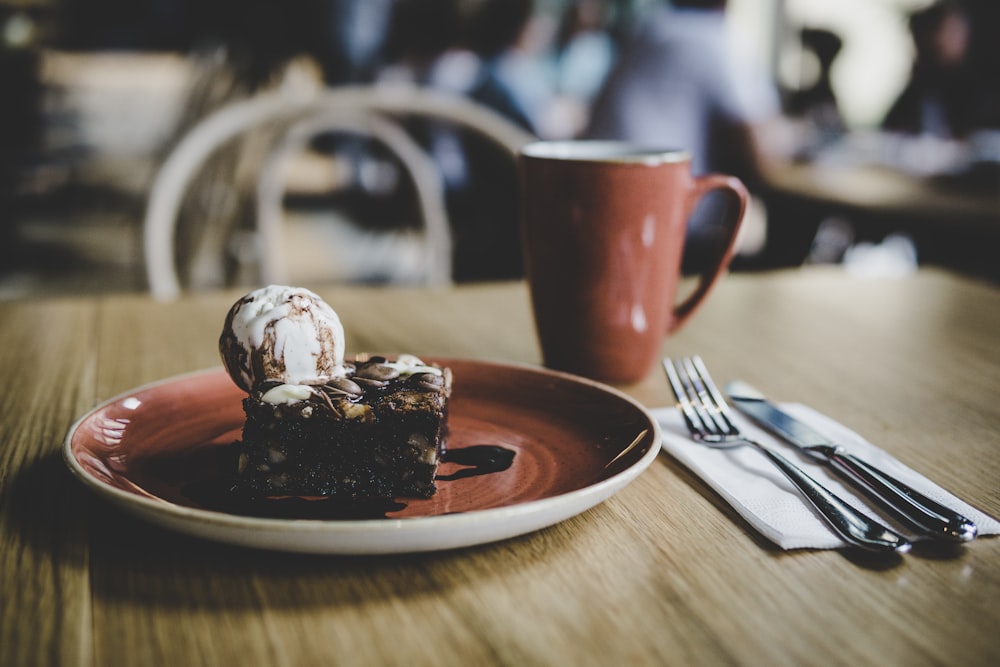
[709, 420]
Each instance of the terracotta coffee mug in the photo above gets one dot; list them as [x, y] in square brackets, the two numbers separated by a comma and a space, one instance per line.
[603, 228]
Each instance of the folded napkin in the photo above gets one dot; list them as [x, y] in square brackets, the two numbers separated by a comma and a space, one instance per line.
[763, 496]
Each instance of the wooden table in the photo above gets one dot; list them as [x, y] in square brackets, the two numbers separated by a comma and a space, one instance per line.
[953, 222]
[662, 573]
[890, 193]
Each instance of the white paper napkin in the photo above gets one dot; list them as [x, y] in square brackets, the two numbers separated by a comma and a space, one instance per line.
[767, 500]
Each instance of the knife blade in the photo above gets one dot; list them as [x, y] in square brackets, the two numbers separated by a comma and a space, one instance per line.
[912, 508]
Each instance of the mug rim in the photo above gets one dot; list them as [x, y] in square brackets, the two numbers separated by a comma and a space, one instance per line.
[604, 152]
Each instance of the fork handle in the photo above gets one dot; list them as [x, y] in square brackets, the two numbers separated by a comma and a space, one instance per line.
[852, 526]
[911, 507]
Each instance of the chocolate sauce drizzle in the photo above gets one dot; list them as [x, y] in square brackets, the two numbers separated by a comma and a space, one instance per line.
[481, 459]
[215, 493]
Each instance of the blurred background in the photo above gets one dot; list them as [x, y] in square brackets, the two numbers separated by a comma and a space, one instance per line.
[94, 95]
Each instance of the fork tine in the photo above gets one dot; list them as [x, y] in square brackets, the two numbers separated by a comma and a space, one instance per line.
[701, 399]
[705, 425]
[691, 419]
[721, 407]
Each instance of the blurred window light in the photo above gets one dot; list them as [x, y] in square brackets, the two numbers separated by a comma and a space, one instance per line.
[18, 31]
[871, 69]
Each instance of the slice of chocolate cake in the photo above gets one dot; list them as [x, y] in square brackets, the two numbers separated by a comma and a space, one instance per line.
[377, 432]
[317, 426]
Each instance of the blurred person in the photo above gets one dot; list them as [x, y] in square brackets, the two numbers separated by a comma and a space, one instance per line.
[354, 35]
[816, 104]
[585, 50]
[984, 57]
[499, 33]
[425, 46]
[940, 98]
[429, 45]
[685, 81]
[582, 56]
[435, 43]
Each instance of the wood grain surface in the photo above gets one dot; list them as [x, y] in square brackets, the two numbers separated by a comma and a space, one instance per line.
[664, 573]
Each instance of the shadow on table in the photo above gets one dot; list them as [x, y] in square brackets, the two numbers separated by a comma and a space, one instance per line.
[60, 521]
[125, 558]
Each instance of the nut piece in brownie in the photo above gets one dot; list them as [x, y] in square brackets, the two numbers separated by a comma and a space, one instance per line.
[317, 426]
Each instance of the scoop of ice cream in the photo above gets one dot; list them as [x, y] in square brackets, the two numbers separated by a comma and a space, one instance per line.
[287, 334]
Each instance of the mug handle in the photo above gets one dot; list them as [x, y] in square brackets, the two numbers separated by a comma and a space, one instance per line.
[702, 186]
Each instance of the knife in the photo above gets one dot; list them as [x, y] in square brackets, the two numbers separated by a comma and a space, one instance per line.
[915, 510]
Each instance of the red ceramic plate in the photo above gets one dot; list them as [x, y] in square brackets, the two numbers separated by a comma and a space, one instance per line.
[156, 449]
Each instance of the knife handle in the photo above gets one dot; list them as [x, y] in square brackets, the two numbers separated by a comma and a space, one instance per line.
[852, 526]
[914, 509]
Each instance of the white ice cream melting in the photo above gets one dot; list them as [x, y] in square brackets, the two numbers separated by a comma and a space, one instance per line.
[291, 333]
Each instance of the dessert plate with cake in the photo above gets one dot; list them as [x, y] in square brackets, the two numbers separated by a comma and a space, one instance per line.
[294, 446]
